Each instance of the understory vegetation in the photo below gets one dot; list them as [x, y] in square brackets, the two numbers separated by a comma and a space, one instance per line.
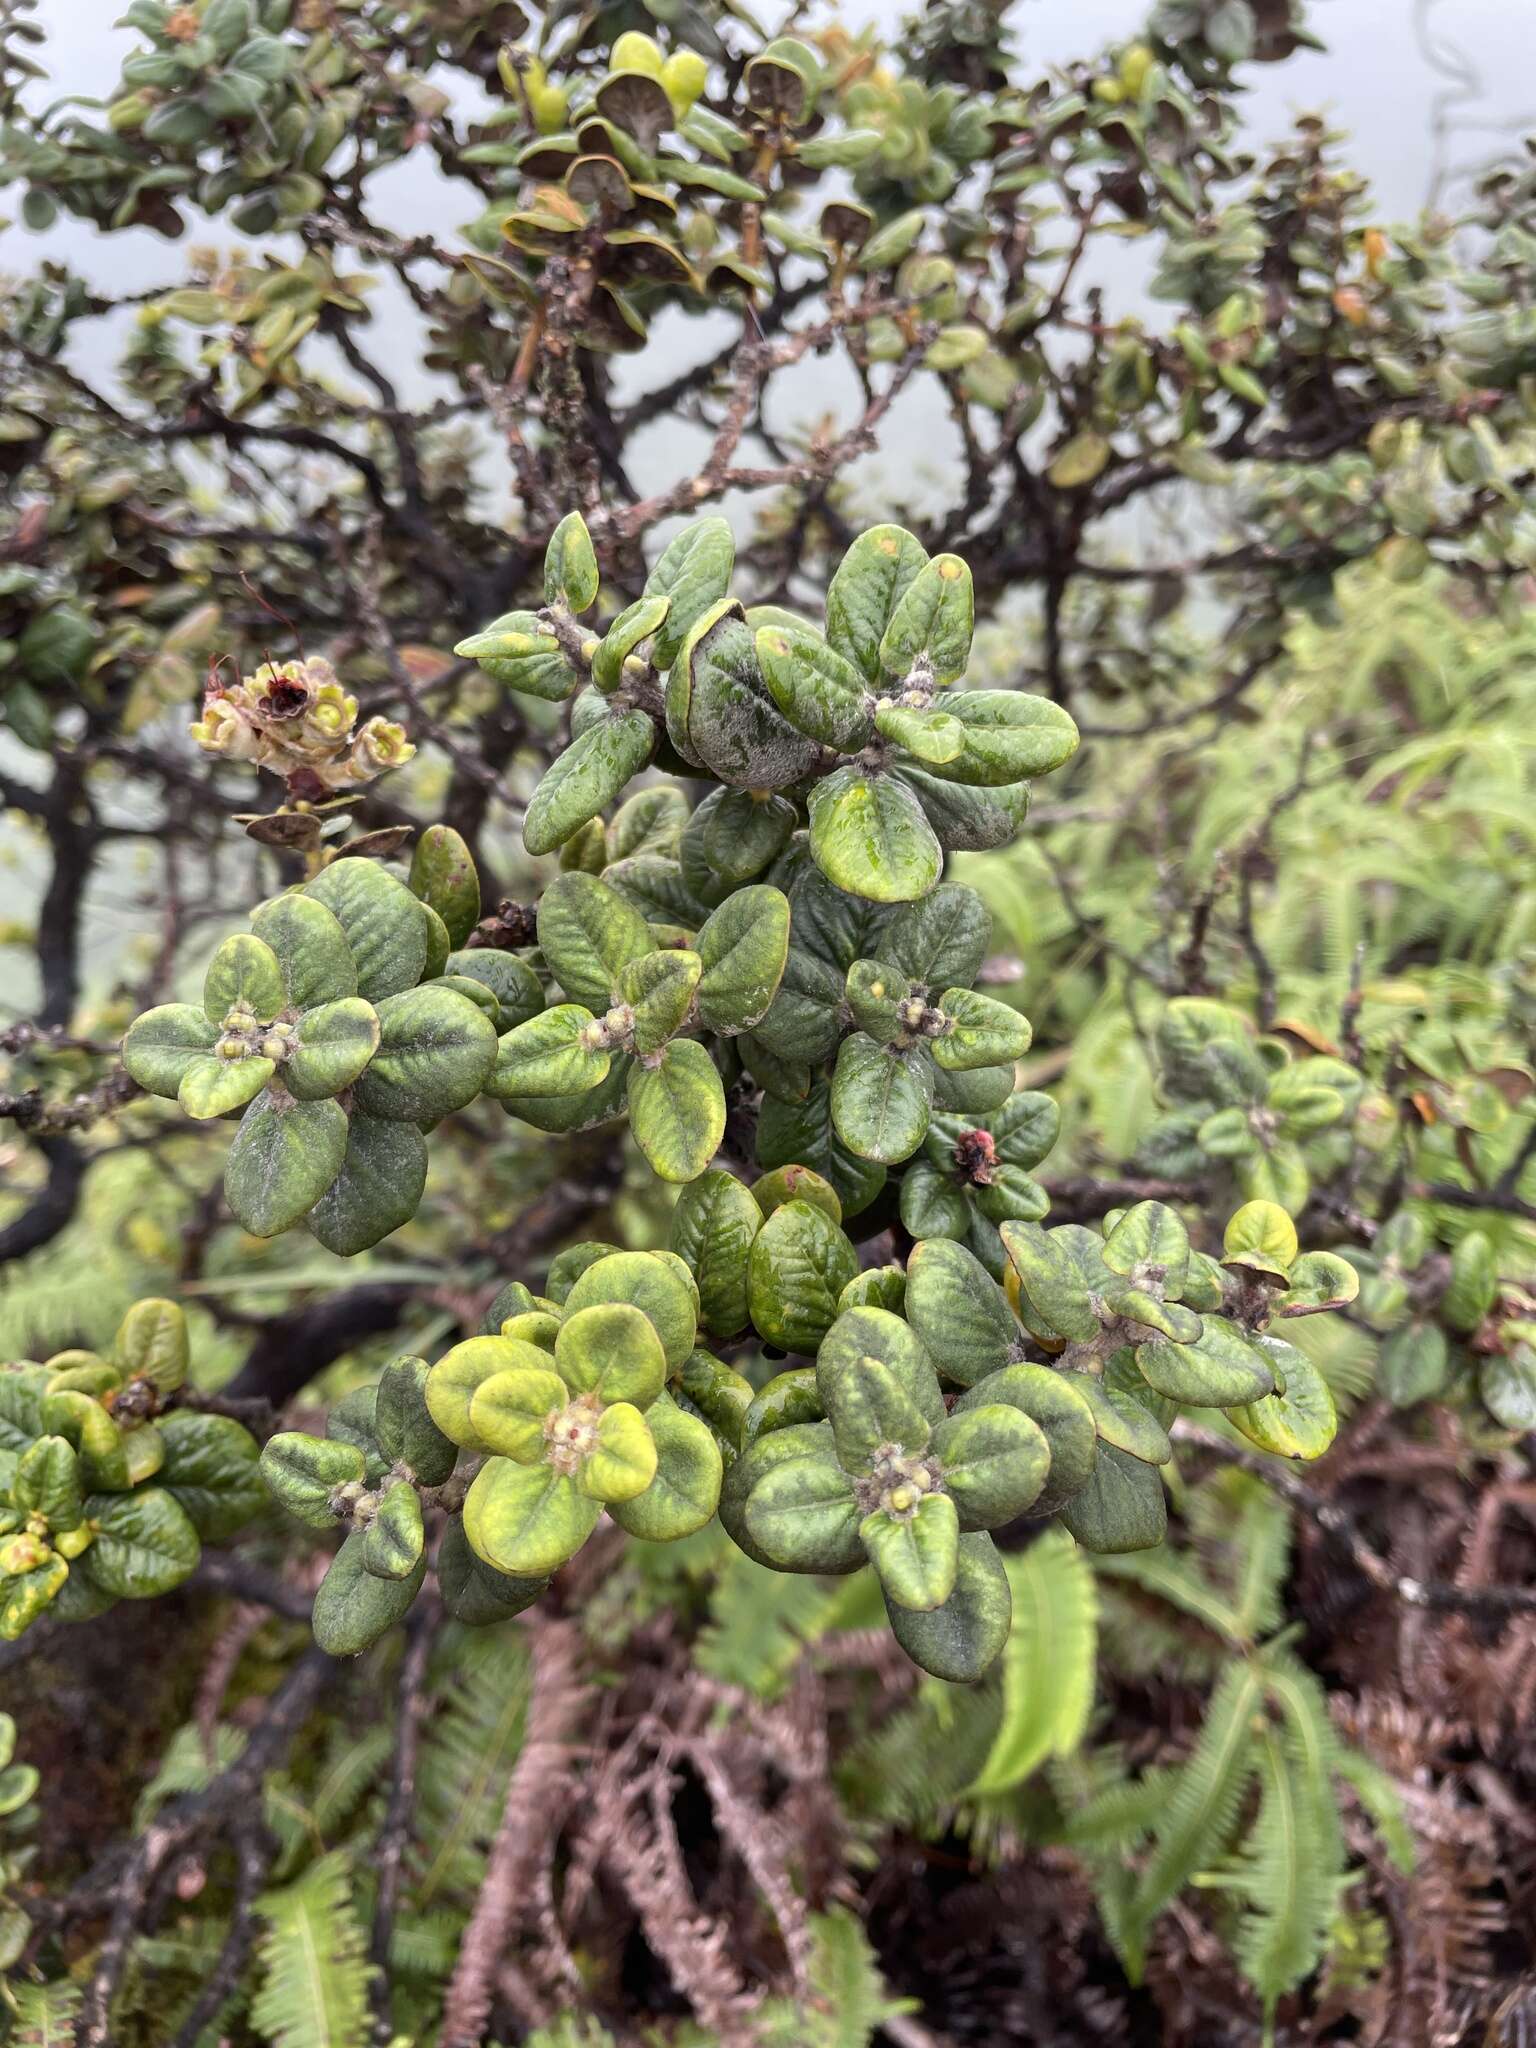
[768, 1252]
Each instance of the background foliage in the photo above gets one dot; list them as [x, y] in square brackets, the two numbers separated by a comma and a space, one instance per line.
[1265, 533]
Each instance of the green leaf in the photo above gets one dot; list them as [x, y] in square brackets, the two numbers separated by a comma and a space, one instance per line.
[379, 1186]
[46, 1482]
[655, 1283]
[610, 1349]
[685, 1490]
[443, 875]
[622, 1463]
[677, 1110]
[986, 1032]
[212, 1470]
[959, 1312]
[732, 836]
[787, 1400]
[941, 940]
[1122, 1507]
[1150, 1243]
[508, 1412]
[520, 650]
[927, 735]
[144, 1544]
[460, 1373]
[1009, 737]
[713, 1226]
[1507, 1383]
[243, 975]
[800, 1512]
[517, 989]
[799, 1264]
[570, 565]
[394, 1541]
[1221, 1369]
[354, 1607]
[870, 582]
[311, 948]
[916, 1555]
[876, 1333]
[995, 1461]
[634, 625]
[552, 1054]
[961, 1638]
[658, 988]
[771, 1191]
[285, 1156]
[165, 1044]
[473, 1592]
[720, 713]
[213, 1087]
[436, 1050]
[587, 777]
[803, 1133]
[526, 1520]
[1301, 1422]
[1413, 1361]
[404, 1422]
[932, 623]
[1079, 460]
[869, 1407]
[819, 691]
[385, 930]
[870, 837]
[881, 1098]
[302, 1472]
[1048, 1663]
[743, 947]
[1049, 1277]
[722, 1396]
[336, 1041]
[1124, 1417]
[693, 571]
[152, 1344]
[589, 934]
[1262, 1237]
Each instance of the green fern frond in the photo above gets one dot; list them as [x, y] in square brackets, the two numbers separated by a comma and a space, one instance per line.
[1121, 1816]
[1382, 1804]
[1290, 1871]
[914, 1768]
[1048, 1662]
[1203, 1807]
[570, 2030]
[850, 1999]
[45, 2014]
[761, 1621]
[1175, 1579]
[313, 1963]
[189, 1765]
[467, 1751]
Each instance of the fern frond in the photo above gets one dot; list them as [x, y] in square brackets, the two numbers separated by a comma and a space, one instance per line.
[45, 2014]
[1383, 1806]
[1203, 1806]
[468, 1749]
[760, 1621]
[1048, 1662]
[1178, 1581]
[851, 2001]
[187, 1766]
[313, 1963]
[1289, 1874]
